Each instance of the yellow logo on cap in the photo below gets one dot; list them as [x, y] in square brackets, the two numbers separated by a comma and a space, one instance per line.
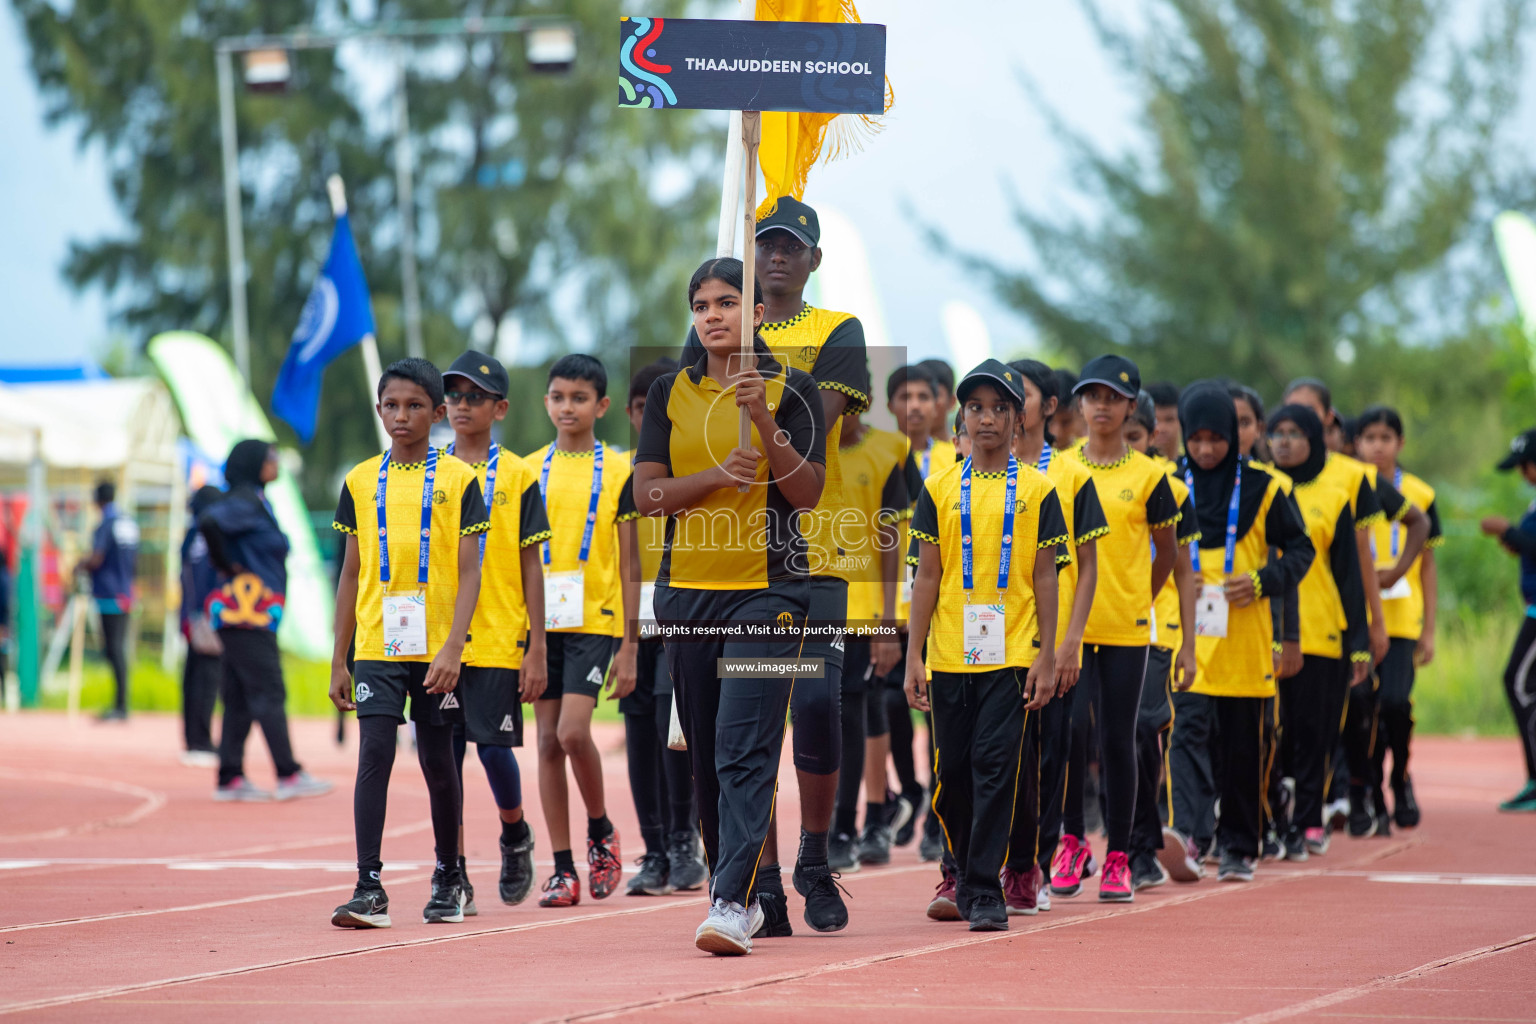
[484, 368]
[802, 220]
[1125, 377]
[1007, 375]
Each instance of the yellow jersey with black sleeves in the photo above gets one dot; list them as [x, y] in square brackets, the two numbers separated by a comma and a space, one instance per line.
[458, 510]
[936, 456]
[1084, 517]
[566, 501]
[1358, 480]
[880, 478]
[1039, 530]
[500, 626]
[1170, 624]
[1241, 664]
[1136, 499]
[1331, 526]
[730, 540]
[830, 347]
[1404, 616]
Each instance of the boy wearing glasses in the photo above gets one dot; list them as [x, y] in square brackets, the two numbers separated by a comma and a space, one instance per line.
[507, 666]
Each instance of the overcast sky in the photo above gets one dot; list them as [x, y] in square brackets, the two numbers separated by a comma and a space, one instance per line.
[961, 133]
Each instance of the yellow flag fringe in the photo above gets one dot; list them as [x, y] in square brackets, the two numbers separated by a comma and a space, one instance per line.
[793, 143]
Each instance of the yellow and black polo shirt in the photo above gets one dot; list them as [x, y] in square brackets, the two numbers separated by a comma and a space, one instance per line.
[1325, 624]
[1170, 625]
[1137, 499]
[880, 482]
[458, 510]
[1038, 525]
[1358, 480]
[1405, 615]
[568, 498]
[830, 347]
[1084, 517]
[500, 626]
[730, 540]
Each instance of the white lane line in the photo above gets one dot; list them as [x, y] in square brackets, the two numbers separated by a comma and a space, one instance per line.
[150, 802]
[1441, 878]
[1344, 995]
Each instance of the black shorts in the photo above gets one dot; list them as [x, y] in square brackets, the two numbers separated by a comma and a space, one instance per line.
[858, 672]
[578, 663]
[652, 679]
[380, 688]
[493, 711]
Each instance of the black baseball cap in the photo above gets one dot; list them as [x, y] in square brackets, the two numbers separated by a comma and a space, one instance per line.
[795, 217]
[482, 370]
[1117, 373]
[995, 373]
[1522, 449]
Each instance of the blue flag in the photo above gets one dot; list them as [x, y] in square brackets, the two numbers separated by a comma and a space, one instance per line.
[336, 316]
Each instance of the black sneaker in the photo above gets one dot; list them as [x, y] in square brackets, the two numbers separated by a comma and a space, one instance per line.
[875, 845]
[1146, 871]
[987, 914]
[516, 880]
[1362, 821]
[654, 878]
[1405, 809]
[470, 910]
[1235, 868]
[368, 908]
[824, 907]
[1296, 846]
[1273, 849]
[843, 852]
[447, 903]
[1383, 818]
[684, 863]
[775, 916]
[931, 847]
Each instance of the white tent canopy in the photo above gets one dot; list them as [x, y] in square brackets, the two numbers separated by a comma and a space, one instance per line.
[125, 425]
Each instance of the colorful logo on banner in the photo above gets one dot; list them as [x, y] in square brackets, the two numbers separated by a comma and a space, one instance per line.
[640, 77]
[244, 603]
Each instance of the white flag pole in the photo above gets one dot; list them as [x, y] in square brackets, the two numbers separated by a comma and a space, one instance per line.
[372, 369]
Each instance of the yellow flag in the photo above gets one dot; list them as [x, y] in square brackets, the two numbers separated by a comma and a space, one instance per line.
[793, 142]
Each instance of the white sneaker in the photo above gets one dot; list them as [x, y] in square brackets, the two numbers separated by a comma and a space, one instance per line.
[300, 784]
[726, 931]
[1043, 897]
[200, 758]
[240, 790]
[755, 917]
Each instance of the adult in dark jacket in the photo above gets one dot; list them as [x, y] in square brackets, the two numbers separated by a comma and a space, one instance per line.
[251, 553]
[1520, 675]
[204, 665]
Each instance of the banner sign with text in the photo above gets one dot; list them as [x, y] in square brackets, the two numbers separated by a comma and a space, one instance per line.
[751, 65]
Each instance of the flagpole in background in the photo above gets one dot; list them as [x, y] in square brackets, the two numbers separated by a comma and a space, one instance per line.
[372, 369]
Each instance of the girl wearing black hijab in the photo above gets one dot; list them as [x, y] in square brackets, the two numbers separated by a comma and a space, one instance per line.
[1243, 514]
[1335, 633]
[251, 553]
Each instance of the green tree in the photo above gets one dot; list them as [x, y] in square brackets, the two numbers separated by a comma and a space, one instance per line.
[536, 195]
[1308, 170]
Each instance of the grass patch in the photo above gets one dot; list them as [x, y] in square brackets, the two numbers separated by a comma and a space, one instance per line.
[1462, 690]
[150, 688]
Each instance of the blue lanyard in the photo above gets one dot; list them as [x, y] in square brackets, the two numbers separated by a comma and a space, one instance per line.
[927, 458]
[423, 558]
[1045, 457]
[1005, 554]
[492, 460]
[1397, 482]
[597, 492]
[1237, 497]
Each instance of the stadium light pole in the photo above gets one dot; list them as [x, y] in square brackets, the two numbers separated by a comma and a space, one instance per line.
[551, 47]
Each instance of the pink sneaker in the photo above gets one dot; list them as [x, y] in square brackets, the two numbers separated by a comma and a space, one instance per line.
[1019, 892]
[943, 906]
[1073, 863]
[1115, 886]
[1317, 841]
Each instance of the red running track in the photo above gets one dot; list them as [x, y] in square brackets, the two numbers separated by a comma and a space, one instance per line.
[127, 894]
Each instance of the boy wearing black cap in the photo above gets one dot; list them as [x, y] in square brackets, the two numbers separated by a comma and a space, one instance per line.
[1135, 560]
[830, 347]
[988, 534]
[507, 665]
[1520, 675]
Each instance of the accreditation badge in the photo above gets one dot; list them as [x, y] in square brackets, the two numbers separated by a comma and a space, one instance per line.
[405, 624]
[647, 602]
[565, 600]
[905, 596]
[1211, 611]
[986, 634]
[1397, 591]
